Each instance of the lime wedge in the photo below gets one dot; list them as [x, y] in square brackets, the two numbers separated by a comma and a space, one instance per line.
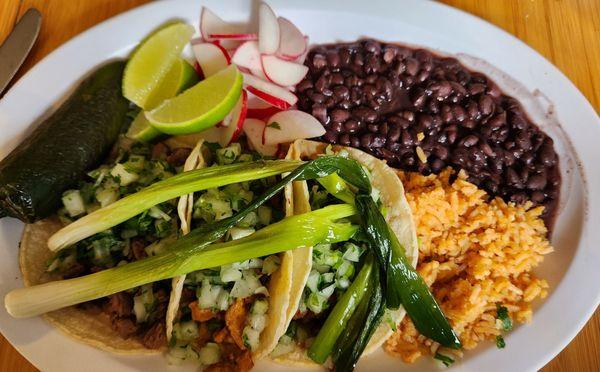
[150, 64]
[181, 76]
[201, 106]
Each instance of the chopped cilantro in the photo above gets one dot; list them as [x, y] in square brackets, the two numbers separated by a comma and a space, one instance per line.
[502, 314]
[444, 359]
[500, 342]
[274, 125]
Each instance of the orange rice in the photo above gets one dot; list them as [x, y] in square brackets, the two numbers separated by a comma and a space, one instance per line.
[475, 253]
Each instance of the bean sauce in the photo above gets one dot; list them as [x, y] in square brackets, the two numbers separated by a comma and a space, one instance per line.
[422, 112]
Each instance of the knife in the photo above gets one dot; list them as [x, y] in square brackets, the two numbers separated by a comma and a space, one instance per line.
[17, 45]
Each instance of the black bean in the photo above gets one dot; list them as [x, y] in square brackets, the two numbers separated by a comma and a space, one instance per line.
[345, 57]
[319, 61]
[366, 140]
[339, 115]
[523, 140]
[384, 129]
[330, 136]
[537, 182]
[437, 165]
[365, 114]
[394, 133]
[320, 112]
[378, 141]
[351, 81]
[412, 66]
[518, 198]
[537, 197]
[469, 141]
[451, 133]
[469, 123]
[392, 146]
[317, 97]
[373, 128]
[487, 149]
[422, 76]
[344, 139]
[407, 138]
[336, 127]
[477, 88]
[351, 126]
[372, 46]
[547, 155]
[354, 141]
[486, 104]
[333, 59]
[441, 152]
[419, 98]
[389, 53]
[497, 121]
[337, 79]
[345, 104]
[459, 113]
[359, 59]
[372, 64]
[304, 85]
[327, 92]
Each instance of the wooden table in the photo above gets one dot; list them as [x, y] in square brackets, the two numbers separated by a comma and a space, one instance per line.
[567, 32]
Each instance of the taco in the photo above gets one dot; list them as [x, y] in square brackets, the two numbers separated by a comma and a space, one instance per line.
[230, 316]
[322, 273]
[128, 322]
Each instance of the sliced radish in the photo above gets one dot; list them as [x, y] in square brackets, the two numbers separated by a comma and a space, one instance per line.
[288, 126]
[292, 43]
[235, 121]
[282, 72]
[253, 128]
[238, 37]
[211, 24]
[247, 55]
[268, 30]
[269, 92]
[259, 109]
[211, 58]
[300, 60]
[259, 73]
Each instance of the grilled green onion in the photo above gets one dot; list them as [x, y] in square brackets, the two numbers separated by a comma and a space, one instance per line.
[401, 283]
[363, 323]
[181, 184]
[295, 231]
[338, 319]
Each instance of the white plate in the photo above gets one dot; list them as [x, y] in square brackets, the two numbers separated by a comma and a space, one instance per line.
[572, 270]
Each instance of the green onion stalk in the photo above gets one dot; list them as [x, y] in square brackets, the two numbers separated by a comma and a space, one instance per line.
[306, 229]
[338, 319]
[178, 185]
[400, 283]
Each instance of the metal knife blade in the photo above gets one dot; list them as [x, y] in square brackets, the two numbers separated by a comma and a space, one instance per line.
[17, 45]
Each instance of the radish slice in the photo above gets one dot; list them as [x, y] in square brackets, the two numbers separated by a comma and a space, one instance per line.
[248, 56]
[282, 72]
[269, 92]
[211, 58]
[253, 128]
[288, 126]
[211, 24]
[259, 109]
[259, 73]
[292, 43]
[238, 37]
[268, 30]
[234, 122]
[300, 60]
